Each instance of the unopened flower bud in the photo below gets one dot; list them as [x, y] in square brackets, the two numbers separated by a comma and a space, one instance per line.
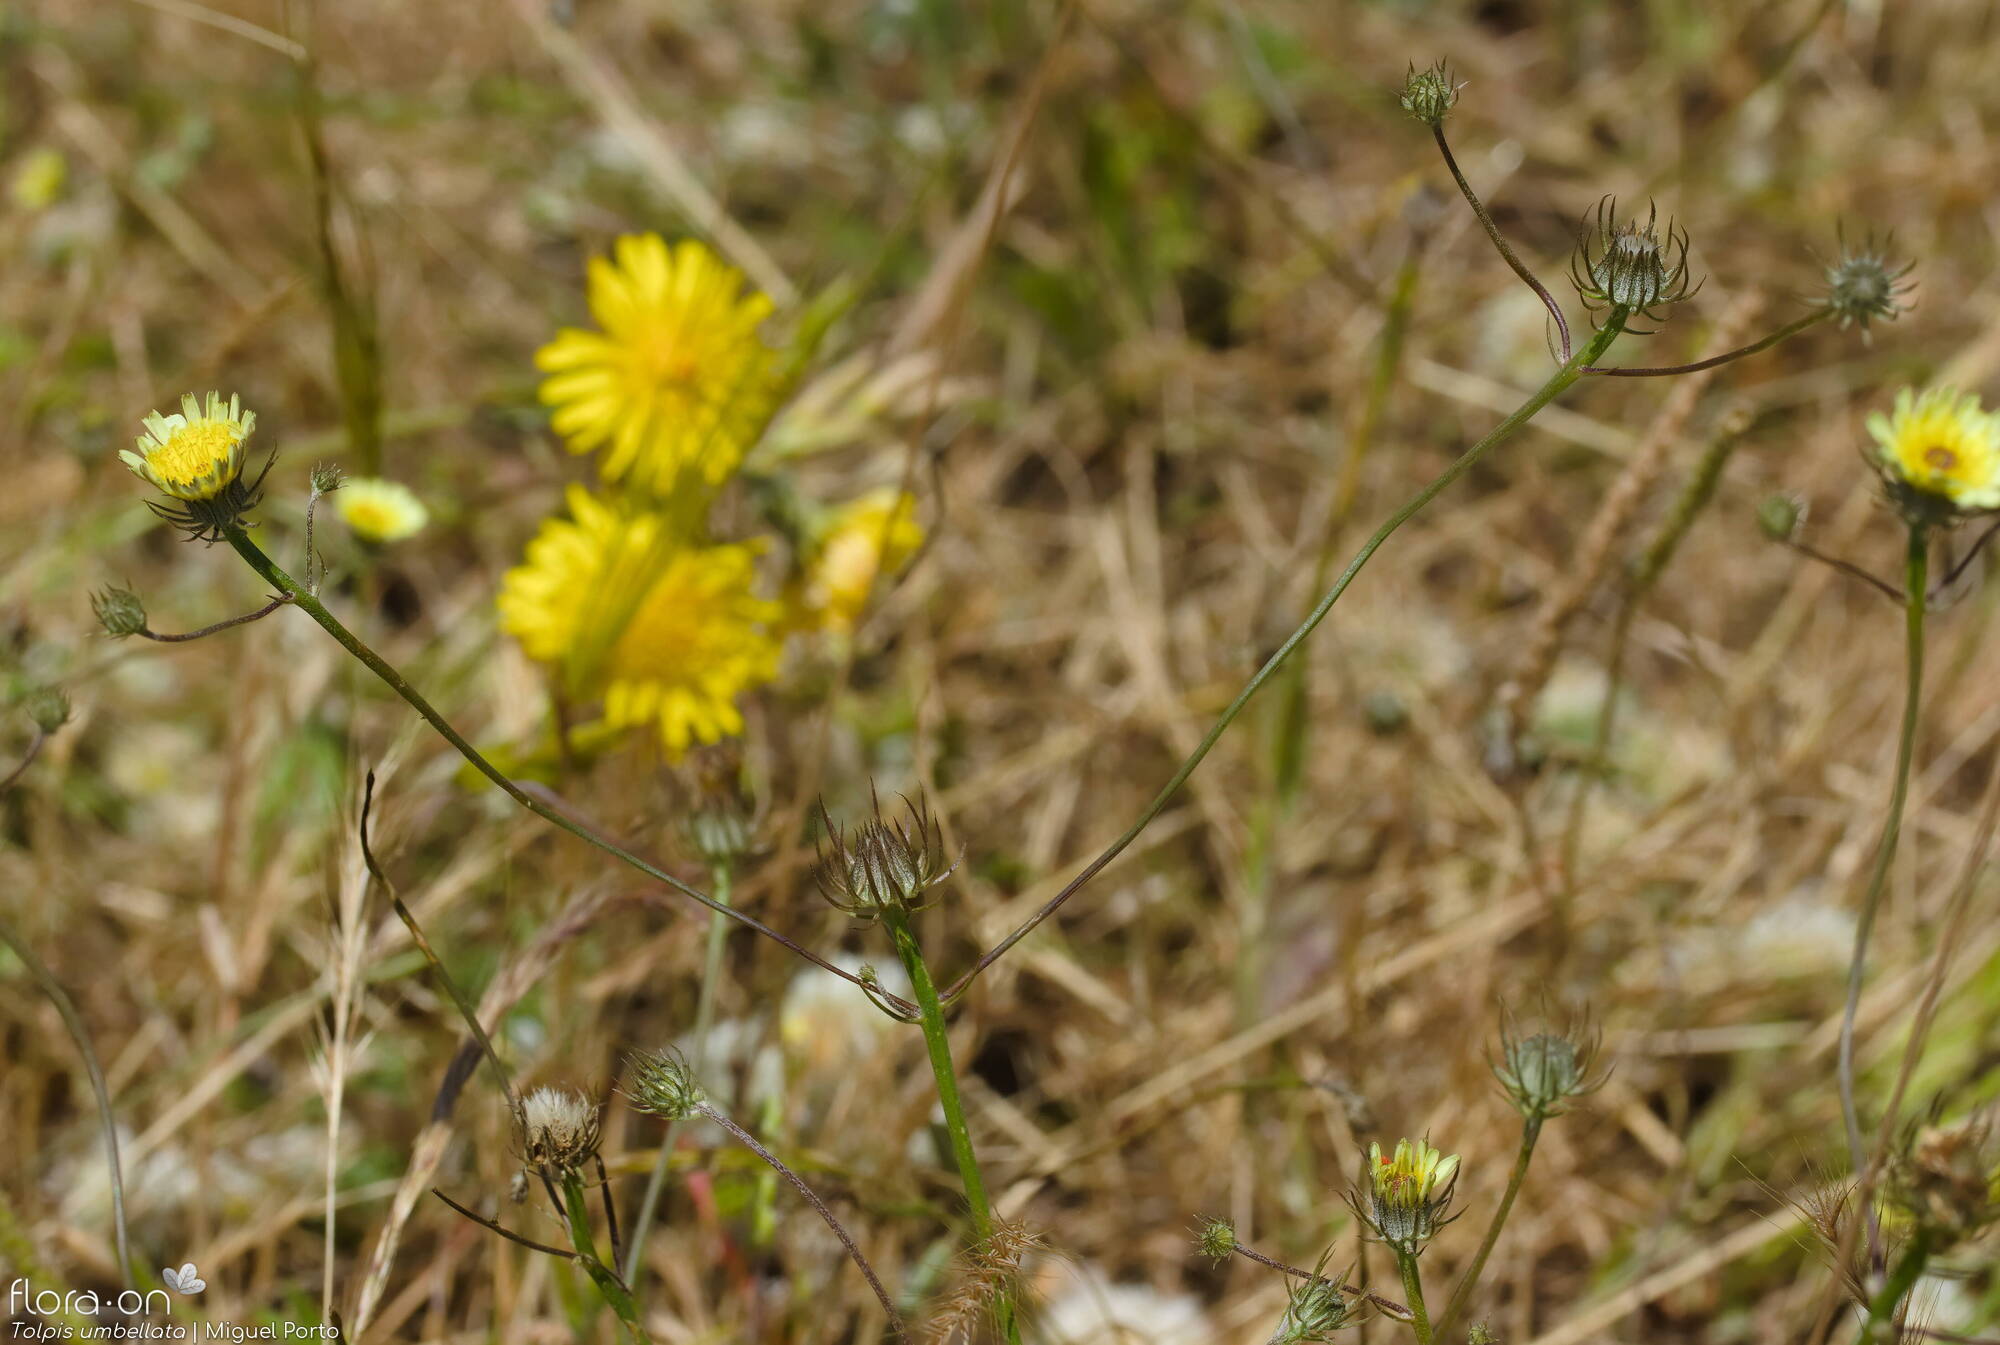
[1779, 516]
[1863, 284]
[1628, 265]
[327, 478]
[120, 611]
[1215, 1239]
[887, 863]
[1314, 1310]
[1428, 94]
[1543, 1072]
[47, 708]
[663, 1084]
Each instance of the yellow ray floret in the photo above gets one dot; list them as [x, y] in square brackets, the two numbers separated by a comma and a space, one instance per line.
[196, 453]
[677, 380]
[1942, 446]
[1412, 1175]
[379, 510]
[874, 533]
[663, 632]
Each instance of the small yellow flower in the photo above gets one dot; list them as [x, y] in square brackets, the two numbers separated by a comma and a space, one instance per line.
[665, 633]
[1411, 1177]
[196, 453]
[677, 381]
[1939, 451]
[877, 532]
[380, 511]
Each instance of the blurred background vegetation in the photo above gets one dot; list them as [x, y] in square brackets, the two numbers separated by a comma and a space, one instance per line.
[1128, 394]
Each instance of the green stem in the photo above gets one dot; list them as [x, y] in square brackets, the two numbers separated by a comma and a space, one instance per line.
[1493, 233]
[576, 1216]
[1882, 1307]
[1413, 1290]
[704, 1015]
[1563, 377]
[310, 604]
[1916, 570]
[1531, 1130]
[938, 1040]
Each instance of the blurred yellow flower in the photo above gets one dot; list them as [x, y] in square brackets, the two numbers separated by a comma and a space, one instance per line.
[874, 533]
[665, 633]
[196, 453]
[1941, 449]
[677, 380]
[379, 510]
[38, 182]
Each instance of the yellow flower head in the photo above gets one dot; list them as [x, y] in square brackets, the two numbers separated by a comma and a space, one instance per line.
[677, 381]
[1939, 452]
[379, 510]
[878, 532]
[1413, 1176]
[663, 632]
[197, 453]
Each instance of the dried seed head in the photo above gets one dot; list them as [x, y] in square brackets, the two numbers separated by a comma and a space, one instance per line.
[1428, 94]
[47, 708]
[663, 1084]
[888, 863]
[1403, 1198]
[1629, 265]
[120, 611]
[562, 1126]
[1780, 515]
[1216, 1239]
[1864, 284]
[1948, 1180]
[1543, 1072]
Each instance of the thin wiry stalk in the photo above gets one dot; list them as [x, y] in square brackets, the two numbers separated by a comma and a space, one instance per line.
[418, 937]
[27, 759]
[1789, 330]
[1399, 1311]
[704, 1018]
[1950, 938]
[350, 940]
[1557, 383]
[749, 1141]
[244, 620]
[492, 1227]
[374, 662]
[1500, 243]
[1531, 1130]
[1694, 497]
[107, 1124]
[1915, 571]
[1848, 568]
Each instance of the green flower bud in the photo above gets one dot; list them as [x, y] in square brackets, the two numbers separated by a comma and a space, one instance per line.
[1428, 94]
[886, 863]
[663, 1084]
[1863, 284]
[1779, 516]
[1543, 1072]
[47, 708]
[1216, 1239]
[327, 478]
[1629, 265]
[120, 611]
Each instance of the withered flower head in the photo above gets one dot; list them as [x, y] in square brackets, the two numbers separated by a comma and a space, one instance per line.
[1629, 265]
[886, 863]
[563, 1128]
